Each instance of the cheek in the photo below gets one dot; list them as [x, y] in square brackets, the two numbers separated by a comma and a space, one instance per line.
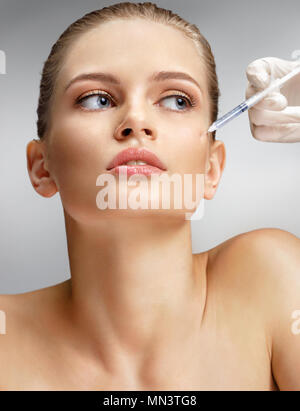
[191, 149]
[76, 149]
[75, 162]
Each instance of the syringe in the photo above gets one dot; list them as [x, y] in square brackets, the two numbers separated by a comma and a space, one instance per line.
[251, 101]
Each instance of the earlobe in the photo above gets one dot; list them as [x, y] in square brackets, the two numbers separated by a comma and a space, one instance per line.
[39, 175]
[216, 165]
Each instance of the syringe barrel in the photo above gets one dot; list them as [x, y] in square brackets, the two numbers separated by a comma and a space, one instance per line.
[232, 114]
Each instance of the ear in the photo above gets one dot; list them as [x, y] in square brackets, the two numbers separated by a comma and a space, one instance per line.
[37, 167]
[215, 166]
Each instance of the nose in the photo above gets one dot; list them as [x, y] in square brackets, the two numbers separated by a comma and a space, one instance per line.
[135, 128]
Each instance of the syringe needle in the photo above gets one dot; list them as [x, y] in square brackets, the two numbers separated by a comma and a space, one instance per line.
[251, 101]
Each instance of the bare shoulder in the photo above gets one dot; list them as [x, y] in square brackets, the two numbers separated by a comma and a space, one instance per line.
[262, 248]
[271, 262]
[263, 265]
[257, 273]
[45, 294]
[28, 322]
[21, 313]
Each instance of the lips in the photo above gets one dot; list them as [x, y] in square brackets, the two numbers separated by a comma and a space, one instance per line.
[141, 154]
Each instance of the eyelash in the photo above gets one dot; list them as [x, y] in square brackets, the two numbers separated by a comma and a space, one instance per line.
[190, 100]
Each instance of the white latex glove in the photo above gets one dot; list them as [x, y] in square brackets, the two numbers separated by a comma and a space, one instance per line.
[276, 118]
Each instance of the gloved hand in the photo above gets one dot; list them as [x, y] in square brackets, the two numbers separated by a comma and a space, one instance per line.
[276, 118]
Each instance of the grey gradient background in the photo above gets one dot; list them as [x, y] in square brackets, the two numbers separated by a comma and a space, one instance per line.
[260, 186]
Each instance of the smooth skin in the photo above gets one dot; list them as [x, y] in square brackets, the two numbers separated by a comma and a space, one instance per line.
[140, 310]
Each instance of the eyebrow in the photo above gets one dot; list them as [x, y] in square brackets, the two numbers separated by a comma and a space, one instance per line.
[109, 78]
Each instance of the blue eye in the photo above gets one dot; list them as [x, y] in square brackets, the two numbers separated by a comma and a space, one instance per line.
[181, 100]
[96, 100]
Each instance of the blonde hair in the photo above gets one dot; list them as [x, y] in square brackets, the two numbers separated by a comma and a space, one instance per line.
[126, 10]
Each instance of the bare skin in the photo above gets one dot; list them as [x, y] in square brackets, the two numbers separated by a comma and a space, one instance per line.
[235, 343]
[140, 310]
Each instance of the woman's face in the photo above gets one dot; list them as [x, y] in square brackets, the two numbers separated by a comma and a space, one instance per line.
[85, 136]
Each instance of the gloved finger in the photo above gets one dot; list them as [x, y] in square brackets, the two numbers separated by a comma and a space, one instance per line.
[276, 102]
[259, 71]
[290, 114]
[286, 133]
[273, 101]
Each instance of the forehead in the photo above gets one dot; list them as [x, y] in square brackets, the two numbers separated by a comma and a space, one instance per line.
[132, 48]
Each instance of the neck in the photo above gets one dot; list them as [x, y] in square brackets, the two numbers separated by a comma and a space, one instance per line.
[135, 285]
